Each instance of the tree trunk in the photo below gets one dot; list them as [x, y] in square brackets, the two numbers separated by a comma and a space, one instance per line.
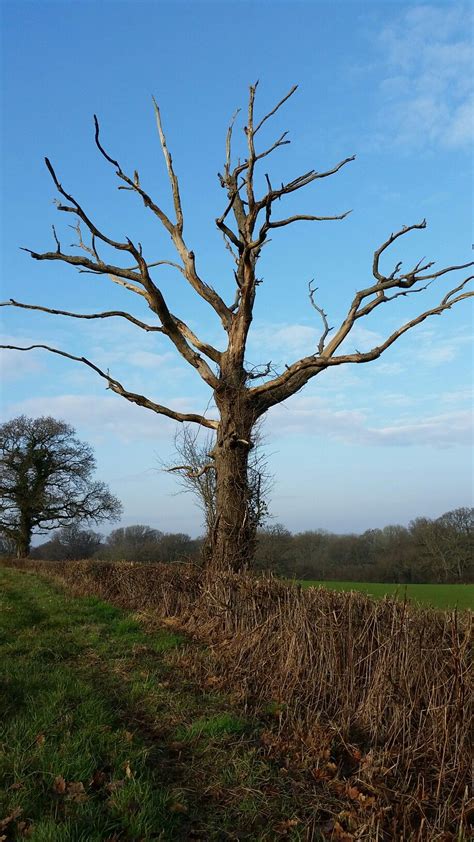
[23, 538]
[231, 544]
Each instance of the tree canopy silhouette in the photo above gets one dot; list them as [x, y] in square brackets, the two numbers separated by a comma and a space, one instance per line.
[46, 481]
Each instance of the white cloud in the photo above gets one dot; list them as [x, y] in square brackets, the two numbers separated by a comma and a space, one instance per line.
[147, 359]
[284, 339]
[130, 355]
[15, 366]
[457, 396]
[442, 430]
[105, 415]
[389, 368]
[426, 92]
[315, 416]
[396, 399]
[289, 341]
[433, 353]
[361, 338]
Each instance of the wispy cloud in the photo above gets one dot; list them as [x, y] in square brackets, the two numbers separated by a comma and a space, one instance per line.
[283, 339]
[15, 366]
[314, 416]
[129, 354]
[103, 416]
[432, 351]
[147, 359]
[457, 396]
[290, 341]
[426, 91]
[389, 368]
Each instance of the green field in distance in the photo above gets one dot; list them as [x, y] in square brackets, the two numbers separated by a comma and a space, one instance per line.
[439, 596]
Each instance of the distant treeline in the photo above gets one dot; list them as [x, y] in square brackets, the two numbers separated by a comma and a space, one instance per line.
[130, 543]
[427, 550]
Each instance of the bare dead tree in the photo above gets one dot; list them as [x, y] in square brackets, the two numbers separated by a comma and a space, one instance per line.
[245, 223]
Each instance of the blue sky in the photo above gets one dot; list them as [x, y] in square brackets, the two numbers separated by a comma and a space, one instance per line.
[390, 82]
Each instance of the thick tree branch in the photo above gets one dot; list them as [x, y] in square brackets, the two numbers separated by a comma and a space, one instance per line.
[298, 183]
[368, 299]
[106, 315]
[249, 131]
[171, 172]
[248, 246]
[156, 302]
[191, 472]
[175, 230]
[139, 276]
[230, 234]
[204, 347]
[117, 387]
[376, 352]
[246, 213]
[78, 210]
[115, 272]
[211, 352]
[300, 372]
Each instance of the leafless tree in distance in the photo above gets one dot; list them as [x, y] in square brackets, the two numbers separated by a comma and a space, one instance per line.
[241, 396]
[197, 476]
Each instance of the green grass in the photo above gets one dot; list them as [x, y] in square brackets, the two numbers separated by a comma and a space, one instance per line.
[439, 596]
[212, 726]
[103, 736]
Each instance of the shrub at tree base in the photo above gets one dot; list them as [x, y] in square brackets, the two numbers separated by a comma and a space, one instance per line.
[372, 697]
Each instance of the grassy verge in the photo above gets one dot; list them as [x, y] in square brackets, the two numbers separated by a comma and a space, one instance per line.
[439, 596]
[102, 740]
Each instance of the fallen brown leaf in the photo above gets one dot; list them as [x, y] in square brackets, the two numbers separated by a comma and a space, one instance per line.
[284, 827]
[98, 779]
[75, 792]
[320, 774]
[366, 801]
[25, 828]
[340, 834]
[114, 785]
[177, 807]
[9, 819]
[59, 785]
[176, 745]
